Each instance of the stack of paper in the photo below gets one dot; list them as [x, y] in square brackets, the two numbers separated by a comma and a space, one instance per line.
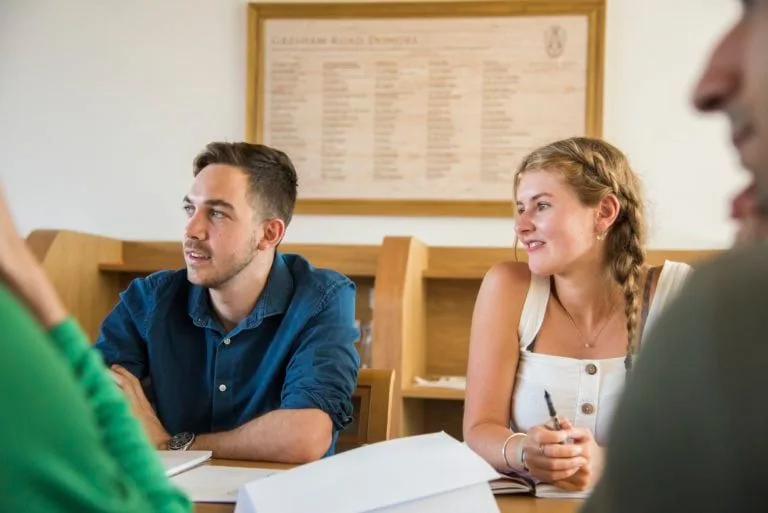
[420, 474]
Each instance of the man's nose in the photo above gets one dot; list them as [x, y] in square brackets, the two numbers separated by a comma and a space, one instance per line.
[721, 79]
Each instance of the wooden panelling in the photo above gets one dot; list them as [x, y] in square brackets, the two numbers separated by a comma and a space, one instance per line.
[399, 316]
[146, 257]
[363, 310]
[444, 416]
[470, 263]
[449, 317]
[71, 261]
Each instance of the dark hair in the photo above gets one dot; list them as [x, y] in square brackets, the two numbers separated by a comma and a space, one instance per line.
[271, 175]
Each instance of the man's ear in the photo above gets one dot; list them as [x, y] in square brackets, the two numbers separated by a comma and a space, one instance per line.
[274, 231]
[608, 210]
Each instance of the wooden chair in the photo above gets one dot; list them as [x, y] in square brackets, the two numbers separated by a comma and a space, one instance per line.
[373, 409]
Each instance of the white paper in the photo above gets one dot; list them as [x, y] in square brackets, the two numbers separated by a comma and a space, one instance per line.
[213, 483]
[370, 478]
[472, 499]
[175, 462]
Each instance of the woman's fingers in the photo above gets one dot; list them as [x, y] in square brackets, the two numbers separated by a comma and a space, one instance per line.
[545, 463]
[542, 435]
[551, 476]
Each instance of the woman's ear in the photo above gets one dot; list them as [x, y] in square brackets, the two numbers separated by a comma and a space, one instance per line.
[608, 210]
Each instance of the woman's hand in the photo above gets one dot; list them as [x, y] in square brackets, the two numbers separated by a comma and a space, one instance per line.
[23, 273]
[587, 475]
[549, 457]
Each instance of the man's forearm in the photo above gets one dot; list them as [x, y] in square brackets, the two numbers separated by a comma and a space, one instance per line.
[285, 436]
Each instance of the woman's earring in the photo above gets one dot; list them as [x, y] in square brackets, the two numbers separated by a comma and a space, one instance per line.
[601, 236]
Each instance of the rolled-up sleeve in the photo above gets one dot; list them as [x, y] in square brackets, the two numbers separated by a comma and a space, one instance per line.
[322, 372]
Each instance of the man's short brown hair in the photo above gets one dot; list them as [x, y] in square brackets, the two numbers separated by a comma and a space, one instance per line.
[272, 178]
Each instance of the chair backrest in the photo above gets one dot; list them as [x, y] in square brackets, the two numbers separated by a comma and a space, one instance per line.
[373, 409]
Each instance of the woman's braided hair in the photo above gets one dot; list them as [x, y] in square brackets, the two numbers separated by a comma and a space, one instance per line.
[594, 169]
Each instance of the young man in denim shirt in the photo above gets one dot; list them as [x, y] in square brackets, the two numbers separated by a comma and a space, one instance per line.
[248, 352]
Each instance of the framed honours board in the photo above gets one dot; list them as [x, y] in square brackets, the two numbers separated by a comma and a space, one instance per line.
[420, 108]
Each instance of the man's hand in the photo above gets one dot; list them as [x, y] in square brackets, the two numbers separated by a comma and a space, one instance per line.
[141, 407]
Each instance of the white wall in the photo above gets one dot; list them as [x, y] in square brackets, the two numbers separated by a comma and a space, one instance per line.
[104, 103]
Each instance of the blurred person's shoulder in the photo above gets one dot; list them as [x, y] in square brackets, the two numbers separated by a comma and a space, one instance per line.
[726, 303]
[737, 275]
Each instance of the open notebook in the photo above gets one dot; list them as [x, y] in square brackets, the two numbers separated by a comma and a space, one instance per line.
[516, 483]
[175, 462]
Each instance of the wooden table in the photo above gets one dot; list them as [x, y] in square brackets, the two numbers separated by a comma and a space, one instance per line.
[507, 503]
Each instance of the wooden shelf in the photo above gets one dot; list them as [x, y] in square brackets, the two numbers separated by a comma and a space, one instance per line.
[447, 394]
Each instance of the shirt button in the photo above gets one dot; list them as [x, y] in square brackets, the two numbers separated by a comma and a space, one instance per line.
[222, 388]
[227, 341]
[587, 409]
[591, 369]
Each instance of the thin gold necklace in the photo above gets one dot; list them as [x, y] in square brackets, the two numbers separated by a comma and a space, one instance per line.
[588, 345]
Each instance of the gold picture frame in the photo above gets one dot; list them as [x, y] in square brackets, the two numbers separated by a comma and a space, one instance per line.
[260, 16]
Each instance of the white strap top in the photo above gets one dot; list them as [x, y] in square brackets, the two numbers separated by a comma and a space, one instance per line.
[584, 391]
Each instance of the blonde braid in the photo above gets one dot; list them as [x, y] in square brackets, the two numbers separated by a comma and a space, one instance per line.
[625, 267]
[624, 246]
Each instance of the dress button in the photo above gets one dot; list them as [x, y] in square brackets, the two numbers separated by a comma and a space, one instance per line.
[591, 369]
[222, 388]
[227, 341]
[587, 409]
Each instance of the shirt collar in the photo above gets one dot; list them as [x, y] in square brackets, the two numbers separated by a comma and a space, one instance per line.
[274, 299]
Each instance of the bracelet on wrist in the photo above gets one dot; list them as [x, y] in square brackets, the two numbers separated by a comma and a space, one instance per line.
[519, 458]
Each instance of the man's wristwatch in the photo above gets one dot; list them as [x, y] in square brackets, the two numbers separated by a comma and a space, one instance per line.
[181, 441]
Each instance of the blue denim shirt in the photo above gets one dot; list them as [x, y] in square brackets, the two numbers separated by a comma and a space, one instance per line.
[295, 350]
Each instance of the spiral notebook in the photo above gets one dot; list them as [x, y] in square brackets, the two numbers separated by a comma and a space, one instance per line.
[516, 483]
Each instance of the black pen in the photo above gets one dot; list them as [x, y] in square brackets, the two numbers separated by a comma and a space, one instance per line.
[552, 412]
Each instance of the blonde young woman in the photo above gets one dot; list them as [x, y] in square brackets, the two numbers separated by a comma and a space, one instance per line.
[569, 321]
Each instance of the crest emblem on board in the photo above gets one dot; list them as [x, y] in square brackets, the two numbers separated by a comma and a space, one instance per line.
[554, 41]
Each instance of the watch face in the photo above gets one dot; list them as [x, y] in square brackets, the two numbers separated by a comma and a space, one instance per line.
[180, 441]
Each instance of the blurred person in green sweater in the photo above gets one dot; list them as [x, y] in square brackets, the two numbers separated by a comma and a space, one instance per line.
[68, 441]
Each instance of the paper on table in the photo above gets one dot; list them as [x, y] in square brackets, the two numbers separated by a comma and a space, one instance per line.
[471, 499]
[175, 462]
[213, 483]
[371, 478]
